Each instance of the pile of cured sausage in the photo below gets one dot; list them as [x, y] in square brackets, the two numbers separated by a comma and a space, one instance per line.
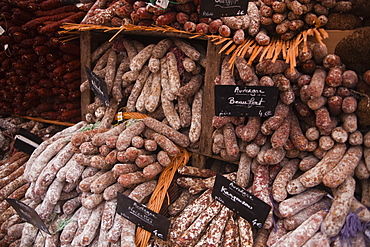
[40, 73]
[309, 161]
[311, 155]
[72, 180]
[162, 79]
[264, 19]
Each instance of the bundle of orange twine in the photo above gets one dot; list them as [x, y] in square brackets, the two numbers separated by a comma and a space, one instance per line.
[164, 182]
[161, 192]
[288, 49]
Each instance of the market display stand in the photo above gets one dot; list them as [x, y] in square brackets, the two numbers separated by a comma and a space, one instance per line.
[93, 38]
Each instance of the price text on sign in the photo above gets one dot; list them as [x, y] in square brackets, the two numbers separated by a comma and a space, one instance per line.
[240, 201]
[142, 216]
[245, 101]
[220, 8]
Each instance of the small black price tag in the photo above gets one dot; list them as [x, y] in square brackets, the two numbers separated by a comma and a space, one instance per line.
[142, 216]
[240, 201]
[245, 101]
[27, 214]
[26, 142]
[98, 85]
[221, 8]
[69, 2]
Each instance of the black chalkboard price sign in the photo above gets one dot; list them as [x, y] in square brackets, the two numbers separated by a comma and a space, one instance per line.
[220, 8]
[245, 101]
[142, 216]
[98, 86]
[240, 201]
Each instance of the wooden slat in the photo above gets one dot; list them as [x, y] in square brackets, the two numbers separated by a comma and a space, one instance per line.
[213, 69]
[85, 41]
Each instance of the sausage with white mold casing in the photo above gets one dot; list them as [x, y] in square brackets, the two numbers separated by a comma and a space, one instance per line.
[245, 232]
[316, 85]
[254, 19]
[92, 225]
[161, 48]
[340, 208]
[276, 234]
[281, 134]
[173, 74]
[144, 94]
[214, 232]
[177, 137]
[188, 49]
[294, 204]
[260, 189]
[250, 130]
[231, 144]
[296, 135]
[227, 77]
[153, 100]
[344, 168]
[194, 231]
[231, 233]
[315, 175]
[196, 117]
[273, 122]
[193, 86]
[281, 180]
[100, 138]
[189, 214]
[165, 143]
[304, 232]
[121, 226]
[292, 222]
[124, 138]
[138, 86]
[138, 61]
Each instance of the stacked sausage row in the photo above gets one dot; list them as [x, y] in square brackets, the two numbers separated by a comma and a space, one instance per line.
[40, 74]
[162, 79]
[76, 174]
[264, 19]
[13, 185]
[311, 147]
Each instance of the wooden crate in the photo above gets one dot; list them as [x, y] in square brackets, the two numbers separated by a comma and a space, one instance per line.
[90, 40]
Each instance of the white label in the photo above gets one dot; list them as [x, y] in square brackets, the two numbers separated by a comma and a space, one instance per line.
[162, 3]
[2, 31]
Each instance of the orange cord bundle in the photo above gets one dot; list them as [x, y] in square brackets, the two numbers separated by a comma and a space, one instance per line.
[161, 192]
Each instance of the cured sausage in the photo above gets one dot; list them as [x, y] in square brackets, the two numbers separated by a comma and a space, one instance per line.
[177, 137]
[304, 232]
[261, 190]
[294, 204]
[315, 175]
[215, 229]
[193, 232]
[189, 214]
[250, 130]
[124, 138]
[279, 185]
[340, 208]
[292, 222]
[344, 168]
